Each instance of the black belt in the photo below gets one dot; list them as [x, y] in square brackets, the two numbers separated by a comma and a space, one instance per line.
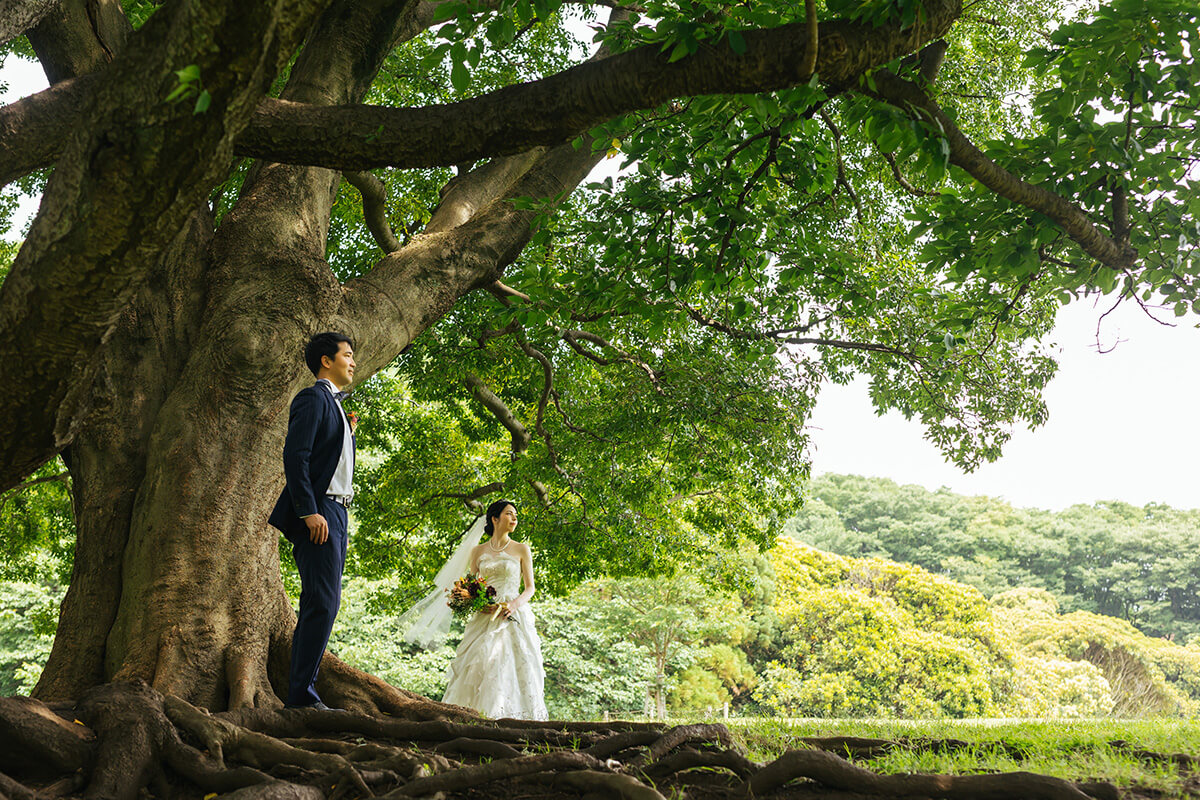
[341, 500]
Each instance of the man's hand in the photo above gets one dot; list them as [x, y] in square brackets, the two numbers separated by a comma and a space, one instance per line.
[318, 528]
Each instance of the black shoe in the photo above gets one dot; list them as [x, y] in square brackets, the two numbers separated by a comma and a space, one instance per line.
[317, 706]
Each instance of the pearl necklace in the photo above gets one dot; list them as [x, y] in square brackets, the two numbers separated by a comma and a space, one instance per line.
[494, 549]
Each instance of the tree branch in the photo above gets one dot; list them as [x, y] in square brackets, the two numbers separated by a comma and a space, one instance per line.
[903, 181]
[910, 98]
[480, 391]
[541, 113]
[738, 333]
[841, 167]
[374, 200]
[539, 426]
[812, 47]
[573, 337]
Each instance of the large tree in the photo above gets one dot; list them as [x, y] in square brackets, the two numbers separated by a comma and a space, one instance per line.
[183, 251]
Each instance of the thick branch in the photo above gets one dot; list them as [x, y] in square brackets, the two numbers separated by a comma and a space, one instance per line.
[556, 108]
[1070, 217]
[541, 113]
[79, 36]
[21, 15]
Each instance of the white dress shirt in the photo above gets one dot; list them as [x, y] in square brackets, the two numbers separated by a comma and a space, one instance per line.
[342, 485]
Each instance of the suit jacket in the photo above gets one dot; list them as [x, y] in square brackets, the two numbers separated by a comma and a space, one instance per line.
[310, 457]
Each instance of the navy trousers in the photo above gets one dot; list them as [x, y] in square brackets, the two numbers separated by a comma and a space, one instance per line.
[320, 567]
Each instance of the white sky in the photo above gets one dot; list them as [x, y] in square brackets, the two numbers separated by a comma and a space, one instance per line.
[1123, 425]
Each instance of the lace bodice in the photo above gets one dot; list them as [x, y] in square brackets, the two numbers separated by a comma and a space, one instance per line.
[503, 572]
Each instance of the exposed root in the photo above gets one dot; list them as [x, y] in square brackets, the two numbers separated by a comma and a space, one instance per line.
[736, 763]
[208, 773]
[607, 785]
[32, 735]
[256, 749]
[837, 773]
[15, 790]
[276, 790]
[621, 742]
[497, 770]
[70, 785]
[680, 735]
[343, 686]
[138, 745]
[478, 747]
[851, 746]
[1181, 760]
[131, 731]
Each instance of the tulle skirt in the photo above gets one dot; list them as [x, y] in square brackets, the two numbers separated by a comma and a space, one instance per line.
[498, 668]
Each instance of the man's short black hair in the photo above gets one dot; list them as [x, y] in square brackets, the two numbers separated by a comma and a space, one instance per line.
[324, 344]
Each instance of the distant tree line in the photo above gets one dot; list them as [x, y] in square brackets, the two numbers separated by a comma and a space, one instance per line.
[1136, 563]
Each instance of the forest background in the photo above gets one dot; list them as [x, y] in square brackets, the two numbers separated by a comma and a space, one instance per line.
[879, 600]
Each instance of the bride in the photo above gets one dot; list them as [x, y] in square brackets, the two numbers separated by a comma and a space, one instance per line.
[497, 669]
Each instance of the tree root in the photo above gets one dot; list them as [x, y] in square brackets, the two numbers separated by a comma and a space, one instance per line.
[276, 790]
[837, 773]
[607, 785]
[851, 746]
[478, 747]
[33, 735]
[1181, 761]
[138, 745]
[468, 777]
[690, 759]
[15, 790]
[620, 742]
[256, 749]
[680, 735]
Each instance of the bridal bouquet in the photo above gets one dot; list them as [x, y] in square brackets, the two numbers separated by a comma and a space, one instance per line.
[471, 593]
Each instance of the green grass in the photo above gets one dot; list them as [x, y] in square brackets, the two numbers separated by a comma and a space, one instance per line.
[1076, 750]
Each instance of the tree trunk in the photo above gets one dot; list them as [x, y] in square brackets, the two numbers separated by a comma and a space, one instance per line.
[177, 580]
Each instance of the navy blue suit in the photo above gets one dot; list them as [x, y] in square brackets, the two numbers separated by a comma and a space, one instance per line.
[311, 452]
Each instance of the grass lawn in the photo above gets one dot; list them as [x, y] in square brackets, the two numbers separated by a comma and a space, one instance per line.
[1076, 750]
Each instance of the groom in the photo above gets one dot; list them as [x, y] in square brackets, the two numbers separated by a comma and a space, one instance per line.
[318, 460]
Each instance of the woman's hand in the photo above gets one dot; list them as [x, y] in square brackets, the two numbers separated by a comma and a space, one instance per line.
[498, 610]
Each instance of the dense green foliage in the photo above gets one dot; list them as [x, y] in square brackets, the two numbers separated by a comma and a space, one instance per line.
[28, 619]
[1140, 564]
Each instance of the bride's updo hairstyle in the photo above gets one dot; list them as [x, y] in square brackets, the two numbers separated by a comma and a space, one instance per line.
[493, 511]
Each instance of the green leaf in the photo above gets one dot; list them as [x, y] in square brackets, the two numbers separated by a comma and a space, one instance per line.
[444, 11]
[188, 74]
[737, 42]
[460, 77]
[681, 50]
[202, 102]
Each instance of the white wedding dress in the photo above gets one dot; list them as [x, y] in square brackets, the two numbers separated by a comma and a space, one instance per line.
[498, 667]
